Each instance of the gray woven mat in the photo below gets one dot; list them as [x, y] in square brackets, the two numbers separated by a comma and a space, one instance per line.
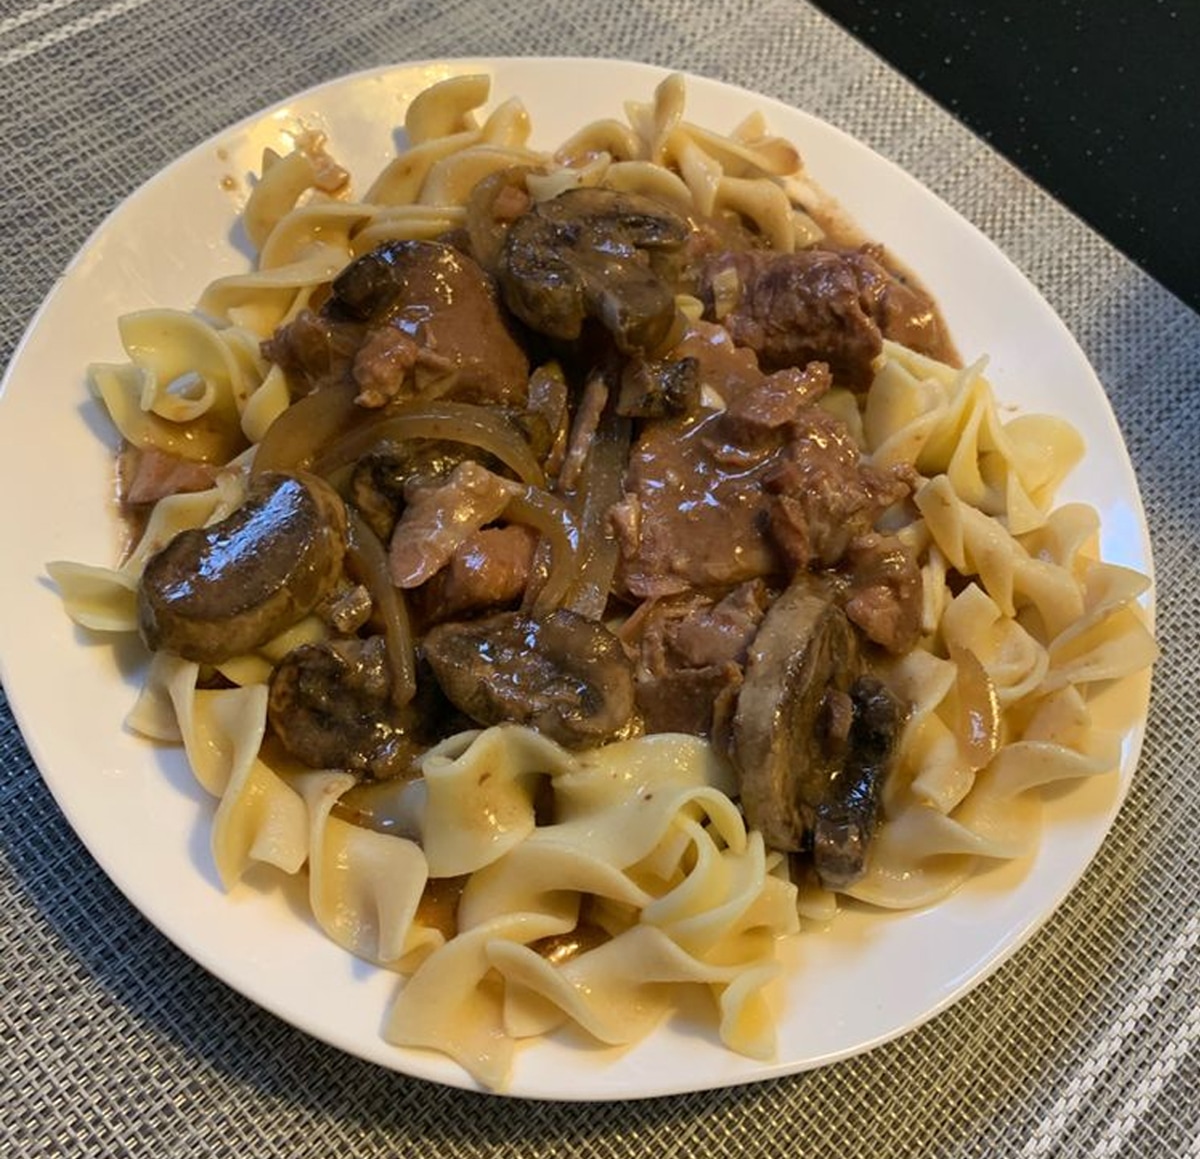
[113, 1043]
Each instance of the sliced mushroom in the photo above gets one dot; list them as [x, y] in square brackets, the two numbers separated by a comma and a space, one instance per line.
[804, 654]
[563, 674]
[217, 592]
[655, 389]
[813, 737]
[848, 816]
[599, 254]
[331, 705]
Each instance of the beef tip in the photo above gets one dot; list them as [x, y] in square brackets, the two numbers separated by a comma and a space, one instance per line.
[699, 631]
[761, 483]
[595, 254]
[884, 597]
[901, 309]
[821, 305]
[314, 351]
[331, 706]
[379, 480]
[440, 518]
[147, 474]
[562, 674]
[823, 496]
[217, 592]
[848, 815]
[775, 401]
[452, 338]
[693, 515]
[793, 309]
[697, 701]
[448, 306]
[488, 570]
[804, 654]
[691, 650]
[382, 365]
[694, 511]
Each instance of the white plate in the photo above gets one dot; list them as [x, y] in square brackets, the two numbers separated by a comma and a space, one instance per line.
[869, 978]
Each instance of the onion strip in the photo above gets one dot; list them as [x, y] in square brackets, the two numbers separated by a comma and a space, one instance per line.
[457, 422]
[552, 519]
[601, 486]
[368, 561]
[296, 437]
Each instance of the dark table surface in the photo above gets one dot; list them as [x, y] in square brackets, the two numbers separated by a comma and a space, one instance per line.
[1096, 100]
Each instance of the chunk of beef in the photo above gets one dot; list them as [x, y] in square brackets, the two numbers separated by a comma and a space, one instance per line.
[690, 652]
[821, 305]
[901, 309]
[440, 518]
[884, 597]
[488, 570]
[381, 479]
[147, 474]
[409, 318]
[759, 484]
[822, 495]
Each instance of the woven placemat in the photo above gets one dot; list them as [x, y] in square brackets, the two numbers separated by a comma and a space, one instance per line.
[113, 1043]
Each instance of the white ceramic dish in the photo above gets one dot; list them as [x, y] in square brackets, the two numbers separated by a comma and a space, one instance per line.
[866, 980]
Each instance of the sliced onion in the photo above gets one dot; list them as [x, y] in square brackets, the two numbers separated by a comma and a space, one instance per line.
[296, 437]
[457, 422]
[978, 708]
[552, 518]
[368, 560]
[601, 486]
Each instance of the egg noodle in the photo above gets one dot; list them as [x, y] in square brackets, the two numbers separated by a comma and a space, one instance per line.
[1025, 632]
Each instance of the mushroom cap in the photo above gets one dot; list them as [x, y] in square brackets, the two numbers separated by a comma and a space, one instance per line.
[594, 254]
[805, 649]
[562, 674]
[216, 592]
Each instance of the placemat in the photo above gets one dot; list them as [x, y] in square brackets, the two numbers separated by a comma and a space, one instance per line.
[113, 1043]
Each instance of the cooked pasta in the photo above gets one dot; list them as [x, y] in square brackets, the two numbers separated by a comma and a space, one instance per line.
[528, 871]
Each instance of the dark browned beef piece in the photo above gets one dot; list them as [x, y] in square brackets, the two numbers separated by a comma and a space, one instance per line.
[690, 654]
[314, 350]
[408, 318]
[884, 597]
[820, 305]
[764, 487]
